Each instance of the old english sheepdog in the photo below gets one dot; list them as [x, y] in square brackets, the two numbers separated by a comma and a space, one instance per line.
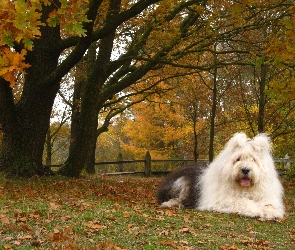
[242, 180]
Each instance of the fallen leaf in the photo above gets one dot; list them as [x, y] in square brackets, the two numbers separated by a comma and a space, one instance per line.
[227, 247]
[94, 226]
[169, 212]
[36, 244]
[185, 242]
[164, 232]
[169, 243]
[17, 243]
[25, 227]
[187, 230]
[22, 219]
[4, 219]
[126, 215]
[186, 219]
[26, 237]
[54, 206]
[108, 246]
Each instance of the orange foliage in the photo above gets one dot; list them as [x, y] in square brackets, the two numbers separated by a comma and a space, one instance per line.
[10, 63]
[20, 25]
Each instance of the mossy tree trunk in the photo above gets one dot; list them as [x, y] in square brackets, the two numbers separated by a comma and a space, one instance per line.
[26, 122]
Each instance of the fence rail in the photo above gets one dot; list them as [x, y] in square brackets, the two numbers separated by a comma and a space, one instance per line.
[147, 169]
[285, 163]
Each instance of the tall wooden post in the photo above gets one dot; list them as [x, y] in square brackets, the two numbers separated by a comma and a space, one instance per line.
[184, 163]
[147, 164]
[120, 164]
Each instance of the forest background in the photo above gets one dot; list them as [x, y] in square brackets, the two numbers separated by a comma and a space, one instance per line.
[82, 81]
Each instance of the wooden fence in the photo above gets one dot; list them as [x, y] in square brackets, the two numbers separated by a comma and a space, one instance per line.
[282, 164]
[147, 169]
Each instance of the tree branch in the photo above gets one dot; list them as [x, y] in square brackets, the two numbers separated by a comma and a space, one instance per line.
[111, 23]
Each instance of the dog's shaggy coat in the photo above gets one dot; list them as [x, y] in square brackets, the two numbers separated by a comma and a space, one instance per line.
[242, 180]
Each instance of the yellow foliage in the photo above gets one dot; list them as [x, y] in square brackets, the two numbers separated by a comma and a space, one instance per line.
[20, 25]
[10, 63]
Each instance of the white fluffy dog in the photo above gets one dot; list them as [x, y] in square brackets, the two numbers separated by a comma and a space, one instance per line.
[242, 179]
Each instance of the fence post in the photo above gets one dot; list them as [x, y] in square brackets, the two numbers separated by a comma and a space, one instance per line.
[147, 164]
[287, 163]
[120, 165]
[184, 163]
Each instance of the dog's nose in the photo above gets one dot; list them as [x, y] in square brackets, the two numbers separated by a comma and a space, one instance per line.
[245, 170]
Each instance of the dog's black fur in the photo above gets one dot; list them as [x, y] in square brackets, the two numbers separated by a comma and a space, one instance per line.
[191, 175]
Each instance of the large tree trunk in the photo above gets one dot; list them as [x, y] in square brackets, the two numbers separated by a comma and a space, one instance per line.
[86, 126]
[90, 159]
[83, 140]
[26, 122]
[48, 148]
[79, 87]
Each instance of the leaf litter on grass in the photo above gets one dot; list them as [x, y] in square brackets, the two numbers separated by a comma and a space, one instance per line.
[121, 213]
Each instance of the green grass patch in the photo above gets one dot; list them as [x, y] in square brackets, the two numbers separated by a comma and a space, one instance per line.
[121, 213]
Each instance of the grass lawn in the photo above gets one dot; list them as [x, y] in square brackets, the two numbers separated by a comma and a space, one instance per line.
[120, 212]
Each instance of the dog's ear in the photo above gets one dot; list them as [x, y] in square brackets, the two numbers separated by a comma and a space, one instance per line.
[237, 141]
[262, 143]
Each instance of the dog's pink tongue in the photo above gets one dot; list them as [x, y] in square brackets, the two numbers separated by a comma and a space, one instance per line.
[246, 182]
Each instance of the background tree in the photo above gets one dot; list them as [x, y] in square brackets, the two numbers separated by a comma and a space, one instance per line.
[58, 27]
[246, 73]
[107, 79]
[1, 137]
[156, 127]
[57, 139]
[26, 122]
[194, 100]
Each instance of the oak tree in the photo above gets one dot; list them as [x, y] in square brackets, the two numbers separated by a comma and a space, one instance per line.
[34, 36]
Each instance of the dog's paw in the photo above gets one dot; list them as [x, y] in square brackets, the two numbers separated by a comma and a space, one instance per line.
[253, 213]
[271, 213]
[172, 203]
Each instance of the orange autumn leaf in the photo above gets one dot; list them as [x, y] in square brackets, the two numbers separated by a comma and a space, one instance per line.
[11, 62]
[20, 25]
[7, 246]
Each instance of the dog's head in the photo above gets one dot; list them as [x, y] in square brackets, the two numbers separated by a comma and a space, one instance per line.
[246, 158]
[245, 170]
